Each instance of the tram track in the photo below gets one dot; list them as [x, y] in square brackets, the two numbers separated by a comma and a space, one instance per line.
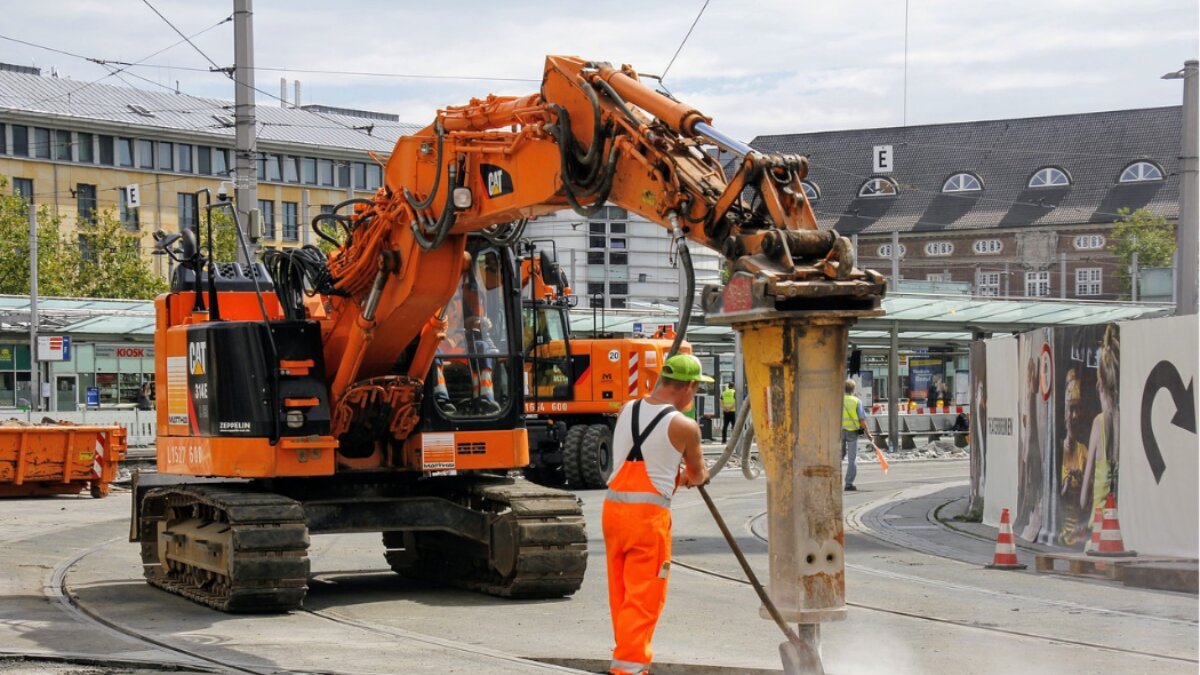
[58, 589]
[968, 589]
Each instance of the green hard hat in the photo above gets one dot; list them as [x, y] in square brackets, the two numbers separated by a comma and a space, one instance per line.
[685, 368]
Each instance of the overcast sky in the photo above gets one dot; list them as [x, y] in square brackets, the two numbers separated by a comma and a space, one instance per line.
[778, 66]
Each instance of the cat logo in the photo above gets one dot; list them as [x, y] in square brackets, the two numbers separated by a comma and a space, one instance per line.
[496, 180]
[197, 357]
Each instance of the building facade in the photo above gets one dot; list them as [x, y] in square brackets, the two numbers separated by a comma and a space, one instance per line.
[77, 147]
[1018, 207]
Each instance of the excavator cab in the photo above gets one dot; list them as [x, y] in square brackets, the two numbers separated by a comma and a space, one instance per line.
[471, 380]
[547, 342]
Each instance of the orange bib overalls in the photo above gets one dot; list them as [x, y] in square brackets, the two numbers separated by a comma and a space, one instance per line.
[637, 542]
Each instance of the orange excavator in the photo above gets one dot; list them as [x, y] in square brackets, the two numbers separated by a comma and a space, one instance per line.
[575, 387]
[297, 397]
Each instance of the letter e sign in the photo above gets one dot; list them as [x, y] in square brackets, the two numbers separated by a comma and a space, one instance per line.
[881, 156]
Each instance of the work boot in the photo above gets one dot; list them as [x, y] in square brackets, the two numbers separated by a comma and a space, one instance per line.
[487, 406]
[446, 406]
[851, 488]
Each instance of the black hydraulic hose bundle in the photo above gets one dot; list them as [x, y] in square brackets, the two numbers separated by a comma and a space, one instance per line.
[297, 273]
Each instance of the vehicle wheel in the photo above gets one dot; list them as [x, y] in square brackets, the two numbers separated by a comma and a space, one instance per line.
[595, 456]
[99, 490]
[572, 470]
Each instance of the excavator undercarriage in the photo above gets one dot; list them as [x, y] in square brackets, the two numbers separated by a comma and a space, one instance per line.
[243, 547]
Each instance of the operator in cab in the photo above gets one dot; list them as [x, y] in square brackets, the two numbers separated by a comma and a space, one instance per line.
[656, 448]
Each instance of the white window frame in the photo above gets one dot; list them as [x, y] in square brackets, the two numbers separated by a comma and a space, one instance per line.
[1049, 177]
[872, 188]
[962, 182]
[1141, 172]
[939, 248]
[811, 190]
[938, 277]
[987, 246]
[988, 284]
[1089, 281]
[885, 250]
[1037, 284]
[1089, 242]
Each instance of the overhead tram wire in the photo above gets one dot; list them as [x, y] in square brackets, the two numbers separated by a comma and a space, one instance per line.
[186, 38]
[106, 63]
[685, 39]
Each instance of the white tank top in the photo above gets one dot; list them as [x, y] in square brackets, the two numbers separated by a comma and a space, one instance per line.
[661, 458]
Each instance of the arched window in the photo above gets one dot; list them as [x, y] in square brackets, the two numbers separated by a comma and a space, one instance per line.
[811, 191]
[878, 187]
[1049, 177]
[1141, 171]
[962, 182]
[885, 251]
[1089, 242]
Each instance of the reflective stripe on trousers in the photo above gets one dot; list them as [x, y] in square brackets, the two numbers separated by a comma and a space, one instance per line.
[637, 543]
[627, 668]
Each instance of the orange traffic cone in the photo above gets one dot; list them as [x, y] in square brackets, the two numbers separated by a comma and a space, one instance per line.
[1006, 549]
[1111, 545]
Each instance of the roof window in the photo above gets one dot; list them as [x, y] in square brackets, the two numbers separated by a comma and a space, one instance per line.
[962, 182]
[1139, 172]
[878, 187]
[1049, 177]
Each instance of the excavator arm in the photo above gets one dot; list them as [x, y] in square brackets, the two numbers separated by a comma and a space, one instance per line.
[595, 134]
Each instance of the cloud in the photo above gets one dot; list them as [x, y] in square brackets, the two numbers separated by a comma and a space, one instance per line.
[777, 66]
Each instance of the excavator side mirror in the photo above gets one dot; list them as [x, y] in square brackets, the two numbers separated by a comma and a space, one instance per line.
[188, 248]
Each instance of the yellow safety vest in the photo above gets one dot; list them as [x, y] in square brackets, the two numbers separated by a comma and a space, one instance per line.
[728, 399]
[850, 421]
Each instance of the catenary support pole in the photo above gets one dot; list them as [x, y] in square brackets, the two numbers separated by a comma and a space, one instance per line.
[1133, 276]
[894, 387]
[1189, 200]
[35, 394]
[246, 150]
[895, 280]
[1062, 275]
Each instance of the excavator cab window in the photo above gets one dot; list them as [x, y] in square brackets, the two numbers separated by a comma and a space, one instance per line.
[547, 352]
[473, 368]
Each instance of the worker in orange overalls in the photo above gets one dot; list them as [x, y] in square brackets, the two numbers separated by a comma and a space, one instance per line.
[656, 449]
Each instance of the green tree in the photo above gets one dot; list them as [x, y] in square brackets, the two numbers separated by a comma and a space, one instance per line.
[58, 259]
[112, 264]
[1150, 235]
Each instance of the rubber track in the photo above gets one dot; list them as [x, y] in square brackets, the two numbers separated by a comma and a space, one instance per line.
[269, 564]
[552, 553]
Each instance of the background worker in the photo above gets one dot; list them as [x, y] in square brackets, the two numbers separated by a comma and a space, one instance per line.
[656, 449]
[728, 410]
[854, 423]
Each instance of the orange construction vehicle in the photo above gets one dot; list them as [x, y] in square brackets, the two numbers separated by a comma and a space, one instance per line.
[297, 395]
[574, 387]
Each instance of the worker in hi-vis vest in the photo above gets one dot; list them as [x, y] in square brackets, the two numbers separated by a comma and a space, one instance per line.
[854, 424]
[655, 449]
[728, 410]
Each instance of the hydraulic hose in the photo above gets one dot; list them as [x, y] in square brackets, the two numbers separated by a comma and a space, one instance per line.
[689, 278]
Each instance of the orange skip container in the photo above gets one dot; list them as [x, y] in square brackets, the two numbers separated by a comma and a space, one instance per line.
[45, 459]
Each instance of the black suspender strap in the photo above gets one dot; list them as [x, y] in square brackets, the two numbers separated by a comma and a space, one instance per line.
[639, 437]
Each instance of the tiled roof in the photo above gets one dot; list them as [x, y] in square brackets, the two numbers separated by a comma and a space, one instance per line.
[1092, 148]
[168, 111]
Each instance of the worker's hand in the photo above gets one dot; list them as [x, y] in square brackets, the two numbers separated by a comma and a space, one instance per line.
[689, 481]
